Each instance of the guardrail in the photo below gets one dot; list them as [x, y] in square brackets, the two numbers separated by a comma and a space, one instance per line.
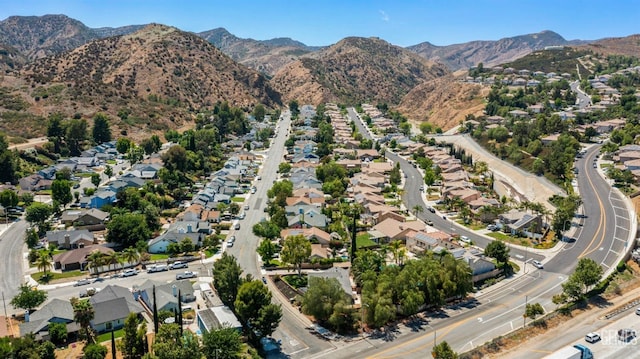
[623, 309]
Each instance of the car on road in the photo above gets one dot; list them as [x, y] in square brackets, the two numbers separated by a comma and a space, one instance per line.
[253, 190]
[81, 282]
[258, 178]
[429, 223]
[431, 209]
[246, 207]
[465, 239]
[178, 265]
[157, 268]
[88, 292]
[595, 165]
[230, 241]
[638, 311]
[264, 280]
[592, 337]
[186, 275]
[537, 264]
[129, 272]
[421, 188]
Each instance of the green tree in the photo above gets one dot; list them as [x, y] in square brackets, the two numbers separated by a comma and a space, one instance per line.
[588, 273]
[426, 128]
[28, 297]
[123, 145]
[130, 255]
[284, 167]
[94, 351]
[43, 263]
[259, 112]
[127, 229]
[295, 251]
[108, 170]
[294, 108]
[266, 229]
[498, 250]
[175, 158]
[443, 350]
[186, 245]
[170, 344]
[9, 198]
[280, 191]
[31, 238]
[256, 312]
[61, 192]
[95, 261]
[58, 333]
[323, 297]
[101, 130]
[95, 179]
[223, 343]
[533, 310]
[76, 135]
[38, 213]
[83, 314]
[47, 350]
[132, 344]
[55, 131]
[266, 250]
[226, 278]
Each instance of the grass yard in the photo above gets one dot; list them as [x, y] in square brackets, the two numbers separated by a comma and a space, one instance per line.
[159, 256]
[54, 275]
[106, 337]
[364, 240]
[237, 199]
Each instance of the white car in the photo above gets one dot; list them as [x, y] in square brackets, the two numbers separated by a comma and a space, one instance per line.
[537, 264]
[129, 272]
[186, 275]
[592, 337]
[178, 265]
[465, 239]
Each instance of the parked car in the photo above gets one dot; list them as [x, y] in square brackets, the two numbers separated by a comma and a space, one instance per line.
[431, 209]
[537, 264]
[592, 337]
[81, 282]
[429, 223]
[129, 272]
[157, 268]
[465, 239]
[258, 178]
[246, 207]
[638, 311]
[253, 190]
[88, 292]
[186, 275]
[178, 265]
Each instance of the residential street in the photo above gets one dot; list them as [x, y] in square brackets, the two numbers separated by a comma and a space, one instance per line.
[13, 248]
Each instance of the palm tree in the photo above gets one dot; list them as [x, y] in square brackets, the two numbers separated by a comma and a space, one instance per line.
[417, 209]
[396, 247]
[43, 262]
[83, 314]
[112, 258]
[130, 255]
[95, 260]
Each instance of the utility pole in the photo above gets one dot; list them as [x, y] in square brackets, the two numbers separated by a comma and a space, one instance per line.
[353, 235]
[524, 316]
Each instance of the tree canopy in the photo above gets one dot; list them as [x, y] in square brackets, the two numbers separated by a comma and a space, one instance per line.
[28, 297]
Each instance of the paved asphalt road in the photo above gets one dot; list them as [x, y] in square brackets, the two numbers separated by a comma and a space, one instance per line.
[297, 341]
[496, 311]
[12, 247]
[582, 99]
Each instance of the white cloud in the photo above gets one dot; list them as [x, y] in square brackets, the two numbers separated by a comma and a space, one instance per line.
[384, 16]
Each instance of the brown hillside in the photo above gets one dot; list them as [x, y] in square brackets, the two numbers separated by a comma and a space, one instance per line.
[355, 70]
[159, 74]
[443, 102]
[628, 45]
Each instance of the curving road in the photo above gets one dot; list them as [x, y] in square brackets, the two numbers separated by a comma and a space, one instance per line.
[498, 310]
[12, 247]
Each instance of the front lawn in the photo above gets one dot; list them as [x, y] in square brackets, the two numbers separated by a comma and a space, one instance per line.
[159, 256]
[105, 337]
[38, 276]
[363, 240]
[296, 281]
[237, 199]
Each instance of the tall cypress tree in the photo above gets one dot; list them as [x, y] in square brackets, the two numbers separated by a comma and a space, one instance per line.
[155, 311]
[180, 312]
[113, 345]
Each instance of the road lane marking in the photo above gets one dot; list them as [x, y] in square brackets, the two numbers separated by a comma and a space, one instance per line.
[602, 222]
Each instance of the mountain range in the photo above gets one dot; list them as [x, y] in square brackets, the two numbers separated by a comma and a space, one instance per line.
[160, 76]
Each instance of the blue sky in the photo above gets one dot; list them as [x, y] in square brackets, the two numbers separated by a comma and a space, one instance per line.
[324, 22]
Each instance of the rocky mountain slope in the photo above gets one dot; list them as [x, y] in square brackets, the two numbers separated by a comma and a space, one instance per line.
[628, 45]
[355, 70]
[157, 76]
[267, 56]
[10, 58]
[468, 54]
[443, 102]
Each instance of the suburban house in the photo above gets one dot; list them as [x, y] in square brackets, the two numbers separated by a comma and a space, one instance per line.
[339, 274]
[313, 234]
[94, 218]
[101, 198]
[216, 318]
[112, 305]
[308, 218]
[55, 311]
[166, 294]
[77, 258]
[395, 230]
[34, 183]
[194, 230]
[70, 239]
